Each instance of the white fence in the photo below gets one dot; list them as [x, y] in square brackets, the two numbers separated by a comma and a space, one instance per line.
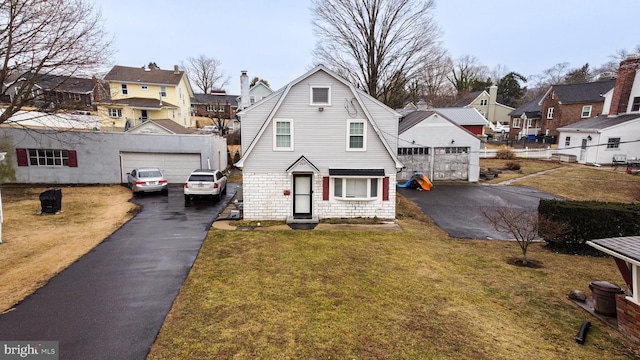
[526, 153]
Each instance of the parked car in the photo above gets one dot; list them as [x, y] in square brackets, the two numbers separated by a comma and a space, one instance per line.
[147, 179]
[205, 182]
[210, 129]
[500, 128]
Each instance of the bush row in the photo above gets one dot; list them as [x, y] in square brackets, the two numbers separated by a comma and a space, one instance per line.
[588, 220]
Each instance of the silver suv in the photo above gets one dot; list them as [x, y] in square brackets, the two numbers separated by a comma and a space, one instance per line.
[205, 182]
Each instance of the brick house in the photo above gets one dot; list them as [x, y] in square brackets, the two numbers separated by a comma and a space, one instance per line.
[214, 105]
[566, 104]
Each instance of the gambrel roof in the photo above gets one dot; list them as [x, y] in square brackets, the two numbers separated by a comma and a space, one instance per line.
[281, 95]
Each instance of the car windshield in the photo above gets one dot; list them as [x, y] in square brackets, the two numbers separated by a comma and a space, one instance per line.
[201, 177]
[150, 173]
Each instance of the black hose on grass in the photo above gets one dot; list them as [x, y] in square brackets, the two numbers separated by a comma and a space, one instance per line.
[582, 334]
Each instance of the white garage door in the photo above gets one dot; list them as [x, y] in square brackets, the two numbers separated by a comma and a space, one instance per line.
[176, 167]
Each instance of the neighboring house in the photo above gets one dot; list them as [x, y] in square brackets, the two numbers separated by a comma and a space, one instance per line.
[251, 95]
[64, 122]
[53, 92]
[140, 94]
[93, 157]
[614, 133]
[526, 119]
[214, 105]
[319, 148]
[566, 104]
[434, 144]
[488, 104]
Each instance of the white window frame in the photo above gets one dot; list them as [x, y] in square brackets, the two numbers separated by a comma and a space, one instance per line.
[275, 135]
[588, 113]
[567, 141]
[484, 102]
[516, 123]
[550, 113]
[163, 91]
[48, 157]
[312, 88]
[635, 104]
[124, 89]
[115, 113]
[341, 188]
[364, 135]
[144, 87]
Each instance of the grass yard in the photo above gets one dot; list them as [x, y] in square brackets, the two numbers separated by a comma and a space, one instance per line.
[365, 295]
[528, 166]
[36, 247]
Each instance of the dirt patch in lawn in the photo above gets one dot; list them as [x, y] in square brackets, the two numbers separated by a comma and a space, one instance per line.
[36, 247]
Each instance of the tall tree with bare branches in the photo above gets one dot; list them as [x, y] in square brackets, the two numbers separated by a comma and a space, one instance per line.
[206, 73]
[47, 37]
[378, 45]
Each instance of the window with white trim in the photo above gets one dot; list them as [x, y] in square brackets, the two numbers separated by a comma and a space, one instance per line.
[283, 134]
[124, 89]
[550, 113]
[484, 102]
[115, 113]
[48, 157]
[144, 87]
[586, 111]
[413, 151]
[320, 95]
[163, 91]
[356, 135]
[356, 188]
[516, 122]
[613, 143]
[635, 106]
[567, 141]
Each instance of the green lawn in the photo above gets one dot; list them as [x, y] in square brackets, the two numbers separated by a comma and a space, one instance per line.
[364, 295]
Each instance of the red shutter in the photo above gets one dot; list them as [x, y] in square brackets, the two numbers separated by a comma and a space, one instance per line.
[385, 189]
[23, 159]
[73, 158]
[325, 188]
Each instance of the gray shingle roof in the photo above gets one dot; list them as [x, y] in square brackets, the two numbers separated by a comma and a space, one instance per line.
[213, 99]
[628, 246]
[143, 103]
[600, 122]
[467, 99]
[143, 76]
[412, 118]
[531, 108]
[584, 92]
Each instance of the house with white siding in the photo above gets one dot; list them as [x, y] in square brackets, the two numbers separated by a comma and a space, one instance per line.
[319, 148]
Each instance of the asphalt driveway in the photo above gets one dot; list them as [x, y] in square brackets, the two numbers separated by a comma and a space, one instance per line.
[111, 303]
[458, 209]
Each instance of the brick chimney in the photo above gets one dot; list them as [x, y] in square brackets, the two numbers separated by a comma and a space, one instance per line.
[624, 83]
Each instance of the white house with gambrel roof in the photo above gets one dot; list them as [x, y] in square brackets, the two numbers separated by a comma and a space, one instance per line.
[319, 148]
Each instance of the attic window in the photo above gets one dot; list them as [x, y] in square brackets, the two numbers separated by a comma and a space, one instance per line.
[320, 95]
[484, 102]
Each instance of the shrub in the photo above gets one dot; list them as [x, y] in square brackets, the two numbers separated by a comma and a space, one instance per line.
[505, 153]
[513, 165]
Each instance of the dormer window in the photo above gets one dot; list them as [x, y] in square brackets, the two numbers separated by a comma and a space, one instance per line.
[320, 95]
[636, 104]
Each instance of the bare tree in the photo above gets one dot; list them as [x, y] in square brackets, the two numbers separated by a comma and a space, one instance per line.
[375, 43]
[41, 37]
[610, 68]
[466, 73]
[524, 225]
[434, 84]
[206, 73]
[256, 80]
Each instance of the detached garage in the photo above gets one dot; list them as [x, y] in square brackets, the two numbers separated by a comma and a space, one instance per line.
[435, 145]
[176, 167]
[106, 157]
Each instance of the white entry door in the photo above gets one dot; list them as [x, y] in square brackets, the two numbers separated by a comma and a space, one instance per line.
[302, 193]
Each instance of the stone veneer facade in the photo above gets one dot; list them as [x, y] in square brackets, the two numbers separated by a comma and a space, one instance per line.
[628, 317]
[268, 190]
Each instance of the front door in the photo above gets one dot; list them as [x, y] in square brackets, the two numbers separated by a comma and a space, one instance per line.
[302, 196]
[583, 149]
[144, 116]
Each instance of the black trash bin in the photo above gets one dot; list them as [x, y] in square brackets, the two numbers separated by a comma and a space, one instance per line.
[604, 297]
[51, 201]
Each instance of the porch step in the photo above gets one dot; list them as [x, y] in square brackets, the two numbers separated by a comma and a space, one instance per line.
[302, 224]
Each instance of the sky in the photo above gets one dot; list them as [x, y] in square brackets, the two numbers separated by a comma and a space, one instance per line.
[274, 39]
